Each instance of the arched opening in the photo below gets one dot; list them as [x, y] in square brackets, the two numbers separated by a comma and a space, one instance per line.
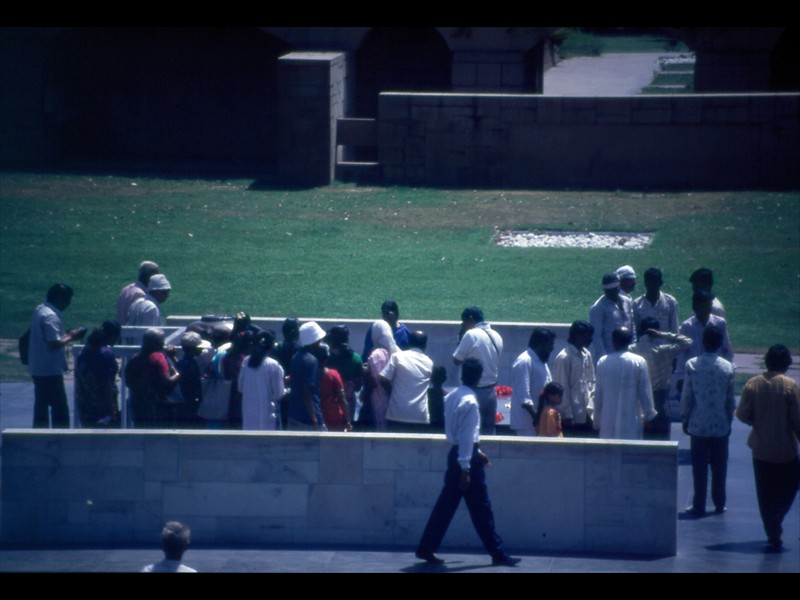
[400, 59]
[784, 67]
[167, 95]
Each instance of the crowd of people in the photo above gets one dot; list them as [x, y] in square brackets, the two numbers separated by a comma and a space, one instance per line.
[612, 379]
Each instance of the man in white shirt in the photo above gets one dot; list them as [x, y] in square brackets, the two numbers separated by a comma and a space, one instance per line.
[703, 280]
[146, 311]
[47, 360]
[611, 311]
[478, 340]
[134, 291]
[623, 397]
[530, 374]
[175, 538]
[655, 303]
[407, 376]
[465, 477]
[573, 368]
[693, 327]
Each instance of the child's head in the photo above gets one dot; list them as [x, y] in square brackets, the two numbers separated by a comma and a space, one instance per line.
[553, 393]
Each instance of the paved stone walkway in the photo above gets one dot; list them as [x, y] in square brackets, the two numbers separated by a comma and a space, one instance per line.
[606, 75]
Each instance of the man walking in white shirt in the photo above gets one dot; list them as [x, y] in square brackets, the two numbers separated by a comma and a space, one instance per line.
[465, 477]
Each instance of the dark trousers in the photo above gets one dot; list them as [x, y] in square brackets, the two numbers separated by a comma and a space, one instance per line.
[776, 487]
[478, 503]
[50, 407]
[487, 404]
[707, 451]
[659, 428]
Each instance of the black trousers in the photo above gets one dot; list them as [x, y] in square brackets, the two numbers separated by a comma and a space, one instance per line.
[713, 452]
[50, 407]
[776, 487]
[478, 503]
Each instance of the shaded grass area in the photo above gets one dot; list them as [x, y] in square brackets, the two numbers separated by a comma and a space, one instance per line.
[580, 42]
[340, 251]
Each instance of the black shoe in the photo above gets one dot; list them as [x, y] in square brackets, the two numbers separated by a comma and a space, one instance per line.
[505, 561]
[774, 547]
[429, 557]
[719, 510]
[694, 512]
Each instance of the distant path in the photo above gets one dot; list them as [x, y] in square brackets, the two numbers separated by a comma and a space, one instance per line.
[605, 75]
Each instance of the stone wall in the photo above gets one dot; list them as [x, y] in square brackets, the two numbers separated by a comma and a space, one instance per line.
[118, 488]
[657, 142]
[312, 95]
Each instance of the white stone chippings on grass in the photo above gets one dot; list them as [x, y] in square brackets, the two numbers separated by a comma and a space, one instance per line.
[572, 239]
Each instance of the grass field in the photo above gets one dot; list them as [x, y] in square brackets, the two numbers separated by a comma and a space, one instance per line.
[579, 42]
[340, 251]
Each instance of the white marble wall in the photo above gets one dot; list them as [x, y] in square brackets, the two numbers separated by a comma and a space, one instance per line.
[79, 486]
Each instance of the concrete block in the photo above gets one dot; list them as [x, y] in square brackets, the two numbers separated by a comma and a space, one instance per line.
[243, 471]
[464, 75]
[417, 489]
[251, 530]
[489, 75]
[730, 109]
[237, 499]
[160, 458]
[341, 460]
[74, 483]
[654, 110]
[578, 110]
[350, 507]
[613, 110]
[549, 110]
[687, 110]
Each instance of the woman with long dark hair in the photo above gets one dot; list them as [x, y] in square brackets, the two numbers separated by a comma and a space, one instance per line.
[260, 382]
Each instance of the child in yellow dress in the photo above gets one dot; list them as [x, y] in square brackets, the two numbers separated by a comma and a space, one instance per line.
[548, 421]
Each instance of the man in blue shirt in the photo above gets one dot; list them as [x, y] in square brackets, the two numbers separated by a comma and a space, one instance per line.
[305, 410]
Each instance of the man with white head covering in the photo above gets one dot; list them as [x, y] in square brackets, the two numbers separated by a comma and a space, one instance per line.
[305, 409]
[134, 291]
[146, 311]
[627, 280]
[611, 311]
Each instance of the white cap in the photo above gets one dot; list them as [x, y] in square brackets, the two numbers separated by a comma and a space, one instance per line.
[158, 282]
[310, 333]
[626, 272]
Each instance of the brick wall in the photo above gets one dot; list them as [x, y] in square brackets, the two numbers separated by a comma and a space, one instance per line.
[658, 142]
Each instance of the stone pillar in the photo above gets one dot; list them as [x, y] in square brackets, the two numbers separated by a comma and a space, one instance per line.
[311, 96]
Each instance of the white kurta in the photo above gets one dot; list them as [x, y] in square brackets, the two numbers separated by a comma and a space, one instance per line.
[530, 375]
[623, 397]
[261, 388]
[145, 312]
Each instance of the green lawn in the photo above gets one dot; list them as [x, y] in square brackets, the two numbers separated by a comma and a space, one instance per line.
[578, 42]
[340, 251]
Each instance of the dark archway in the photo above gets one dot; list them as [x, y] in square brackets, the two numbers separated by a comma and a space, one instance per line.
[400, 59]
[784, 62]
[166, 95]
